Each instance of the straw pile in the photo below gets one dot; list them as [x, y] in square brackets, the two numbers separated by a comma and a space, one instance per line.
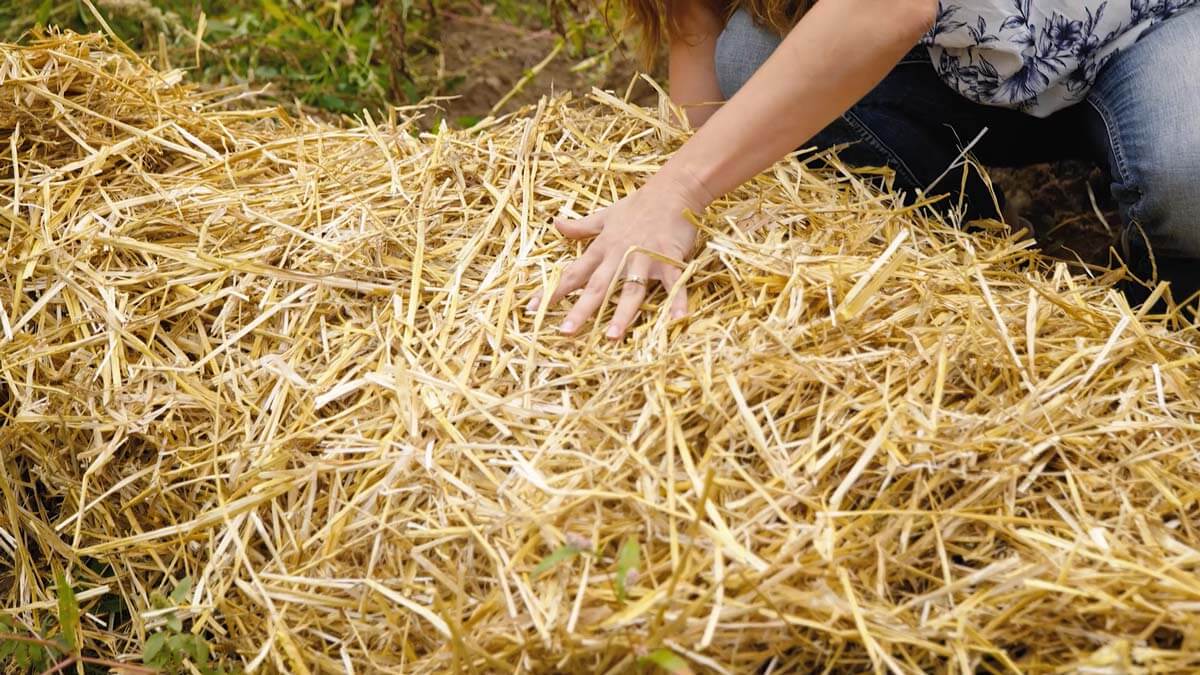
[289, 360]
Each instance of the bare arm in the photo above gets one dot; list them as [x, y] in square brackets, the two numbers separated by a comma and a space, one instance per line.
[829, 61]
[833, 58]
[692, 66]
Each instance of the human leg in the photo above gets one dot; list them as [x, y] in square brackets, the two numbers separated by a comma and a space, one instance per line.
[1147, 126]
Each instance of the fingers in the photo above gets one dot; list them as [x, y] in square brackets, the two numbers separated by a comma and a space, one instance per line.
[576, 275]
[679, 305]
[631, 296]
[594, 271]
[534, 302]
[582, 228]
[591, 298]
[572, 279]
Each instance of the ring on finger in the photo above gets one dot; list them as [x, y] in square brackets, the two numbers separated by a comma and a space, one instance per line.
[634, 279]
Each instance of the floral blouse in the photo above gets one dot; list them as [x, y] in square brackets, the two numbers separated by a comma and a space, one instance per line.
[1039, 56]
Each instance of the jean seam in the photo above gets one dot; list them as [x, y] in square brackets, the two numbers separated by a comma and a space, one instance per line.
[1134, 226]
[1119, 153]
[1114, 138]
[875, 142]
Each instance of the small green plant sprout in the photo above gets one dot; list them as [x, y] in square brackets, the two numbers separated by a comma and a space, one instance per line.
[626, 573]
[25, 650]
[667, 661]
[467, 121]
[165, 605]
[53, 648]
[171, 649]
[574, 545]
[68, 613]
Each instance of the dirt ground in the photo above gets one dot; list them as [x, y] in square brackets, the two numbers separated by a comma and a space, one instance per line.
[1057, 200]
[491, 56]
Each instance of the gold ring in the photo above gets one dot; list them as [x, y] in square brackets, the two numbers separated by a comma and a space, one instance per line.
[634, 279]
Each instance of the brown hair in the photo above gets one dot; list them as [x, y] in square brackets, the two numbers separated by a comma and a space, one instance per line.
[659, 19]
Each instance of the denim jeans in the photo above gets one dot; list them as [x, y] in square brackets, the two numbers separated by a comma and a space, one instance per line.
[1141, 121]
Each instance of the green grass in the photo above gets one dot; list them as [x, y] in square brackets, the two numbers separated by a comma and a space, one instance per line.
[339, 55]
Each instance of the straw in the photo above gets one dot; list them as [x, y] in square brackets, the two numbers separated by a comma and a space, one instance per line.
[291, 360]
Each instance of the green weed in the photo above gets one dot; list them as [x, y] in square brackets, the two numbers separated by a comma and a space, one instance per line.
[338, 55]
[58, 644]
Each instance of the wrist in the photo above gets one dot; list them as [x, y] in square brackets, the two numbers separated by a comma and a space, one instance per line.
[684, 185]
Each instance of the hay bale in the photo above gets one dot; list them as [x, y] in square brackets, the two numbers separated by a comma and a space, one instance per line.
[288, 359]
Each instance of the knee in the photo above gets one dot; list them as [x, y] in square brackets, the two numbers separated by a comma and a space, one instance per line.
[1165, 199]
[741, 48]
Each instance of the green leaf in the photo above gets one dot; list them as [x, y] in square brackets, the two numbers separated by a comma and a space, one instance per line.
[153, 647]
[158, 600]
[627, 562]
[174, 623]
[564, 552]
[410, 91]
[279, 14]
[273, 10]
[30, 657]
[333, 103]
[196, 648]
[181, 591]
[68, 611]
[7, 648]
[668, 660]
[42, 15]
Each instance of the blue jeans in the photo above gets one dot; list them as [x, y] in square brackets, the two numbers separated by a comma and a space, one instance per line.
[1141, 121]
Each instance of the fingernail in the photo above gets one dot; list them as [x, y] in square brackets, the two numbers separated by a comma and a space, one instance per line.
[613, 331]
[532, 306]
[678, 314]
[567, 326]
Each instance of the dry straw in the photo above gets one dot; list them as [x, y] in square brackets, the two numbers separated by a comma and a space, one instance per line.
[288, 359]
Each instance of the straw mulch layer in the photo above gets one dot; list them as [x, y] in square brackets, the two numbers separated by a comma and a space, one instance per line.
[290, 361]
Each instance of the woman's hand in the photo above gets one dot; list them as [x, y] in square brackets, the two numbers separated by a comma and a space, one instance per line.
[830, 60]
[651, 218]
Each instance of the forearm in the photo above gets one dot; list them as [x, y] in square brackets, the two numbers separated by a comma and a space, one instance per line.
[829, 61]
[692, 68]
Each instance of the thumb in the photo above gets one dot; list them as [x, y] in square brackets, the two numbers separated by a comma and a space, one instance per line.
[582, 228]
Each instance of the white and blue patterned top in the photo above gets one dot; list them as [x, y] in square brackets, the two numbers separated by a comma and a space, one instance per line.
[1038, 56]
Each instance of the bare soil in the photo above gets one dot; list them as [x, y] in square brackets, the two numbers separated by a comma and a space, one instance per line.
[489, 57]
[1069, 206]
